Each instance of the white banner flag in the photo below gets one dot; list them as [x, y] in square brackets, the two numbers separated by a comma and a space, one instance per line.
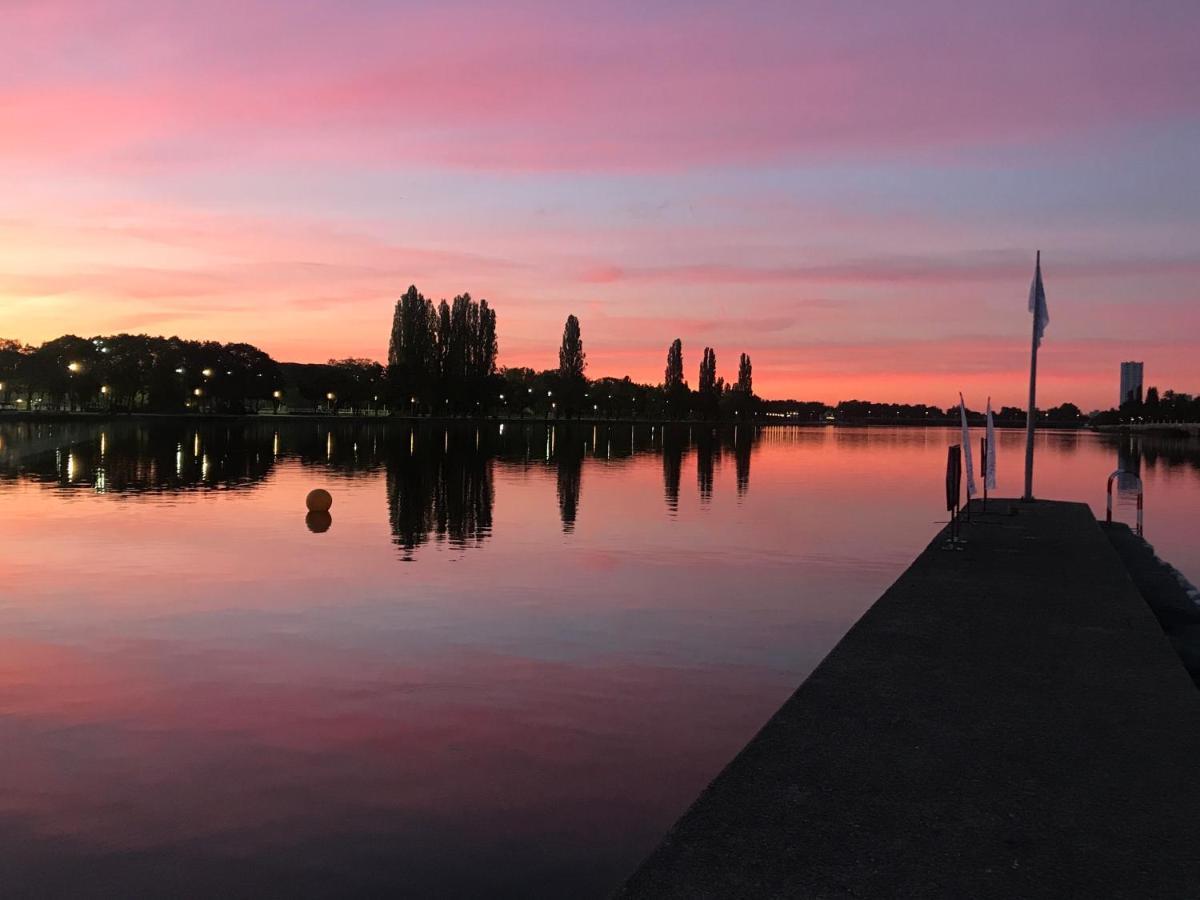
[1037, 303]
[989, 472]
[966, 443]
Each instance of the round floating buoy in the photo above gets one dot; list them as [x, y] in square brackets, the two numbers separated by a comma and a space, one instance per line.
[318, 500]
[318, 522]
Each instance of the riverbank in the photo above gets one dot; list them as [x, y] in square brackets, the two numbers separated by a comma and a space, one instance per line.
[382, 417]
[1007, 720]
[1156, 429]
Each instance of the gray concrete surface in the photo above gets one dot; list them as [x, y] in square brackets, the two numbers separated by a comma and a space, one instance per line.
[1006, 721]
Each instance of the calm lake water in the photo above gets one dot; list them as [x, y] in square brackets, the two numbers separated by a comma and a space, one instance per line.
[504, 668]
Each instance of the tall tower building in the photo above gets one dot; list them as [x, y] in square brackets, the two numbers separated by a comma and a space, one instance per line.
[1131, 382]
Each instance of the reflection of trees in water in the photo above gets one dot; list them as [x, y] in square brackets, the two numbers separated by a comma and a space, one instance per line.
[570, 448]
[135, 457]
[710, 445]
[674, 447]
[439, 486]
[708, 455]
[743, 442]
[438, 479]
[1155, 451]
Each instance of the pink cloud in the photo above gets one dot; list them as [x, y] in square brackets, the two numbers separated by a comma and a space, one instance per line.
[534, 88]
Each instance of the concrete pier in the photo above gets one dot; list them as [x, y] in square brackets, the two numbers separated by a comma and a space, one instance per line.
[1006, 721]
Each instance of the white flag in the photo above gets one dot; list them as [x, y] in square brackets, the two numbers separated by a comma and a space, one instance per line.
[1037, 303]
[966, 443]
[989, 472]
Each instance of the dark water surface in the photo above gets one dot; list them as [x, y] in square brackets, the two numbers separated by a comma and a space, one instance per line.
[504, 668]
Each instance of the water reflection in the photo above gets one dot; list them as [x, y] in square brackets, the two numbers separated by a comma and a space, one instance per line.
[673, 450]
[1129, 464]
[196, 685]
[743, 441]
[318, 522]
[708, 454]
[569, 463]
[439, 480]
[125, 458]
[438, 488]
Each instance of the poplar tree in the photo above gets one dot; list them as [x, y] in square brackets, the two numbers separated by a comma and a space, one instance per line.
[708, 372]
[571, 359]
[745, 382]
[674, 374]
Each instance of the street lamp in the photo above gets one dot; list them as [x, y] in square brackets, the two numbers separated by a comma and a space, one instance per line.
[207, 373]
[276, 394]
[74, 367]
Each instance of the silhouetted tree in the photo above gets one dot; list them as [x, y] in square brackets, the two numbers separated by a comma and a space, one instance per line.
[674, 385]
[673, 378]
[708, 388]
[571, 359]
[12, 353]
[412, 351]
[572, 362]
[745, 381]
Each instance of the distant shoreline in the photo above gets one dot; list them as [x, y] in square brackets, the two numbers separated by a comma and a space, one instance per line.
[397, 418]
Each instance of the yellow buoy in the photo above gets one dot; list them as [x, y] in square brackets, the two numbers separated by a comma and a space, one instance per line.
[318, 500]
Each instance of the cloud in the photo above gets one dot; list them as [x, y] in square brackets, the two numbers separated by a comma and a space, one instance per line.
[537, 86]
[987, 266]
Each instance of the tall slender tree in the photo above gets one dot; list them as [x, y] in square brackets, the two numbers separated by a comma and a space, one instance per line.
[745, 382]
[708, 372]
[572, 361]
[413, 352]
[709, 387]
[486, 348]
[673, 379]
[675, 385]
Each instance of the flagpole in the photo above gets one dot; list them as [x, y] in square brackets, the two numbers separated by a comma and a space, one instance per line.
[1031, 413]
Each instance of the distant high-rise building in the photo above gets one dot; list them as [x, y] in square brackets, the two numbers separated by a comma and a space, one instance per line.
[1131, 382]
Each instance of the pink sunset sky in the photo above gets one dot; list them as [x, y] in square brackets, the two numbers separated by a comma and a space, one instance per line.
[850, 192]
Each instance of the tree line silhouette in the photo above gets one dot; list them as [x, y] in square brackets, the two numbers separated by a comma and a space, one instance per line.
[1168, 407]
[443, 361]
